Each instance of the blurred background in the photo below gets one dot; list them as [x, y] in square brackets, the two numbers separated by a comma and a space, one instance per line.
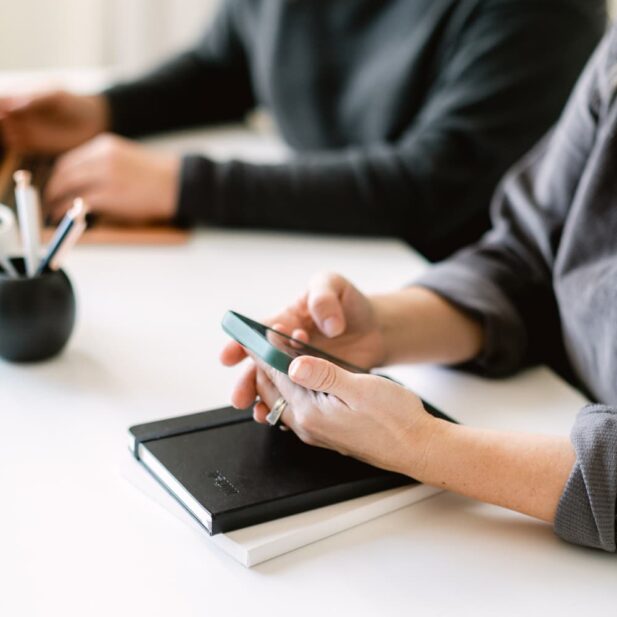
[38, 34]
[130, 34]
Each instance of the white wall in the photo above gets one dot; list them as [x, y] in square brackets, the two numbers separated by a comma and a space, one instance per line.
[78, 33]
[82, 33]
[144, 31]
[46, 33]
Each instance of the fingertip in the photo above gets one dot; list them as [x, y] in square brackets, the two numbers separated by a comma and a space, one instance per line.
[333, 326]
[241, 400]
[300, 335]
[300, 369]
[279, 327]
[234, 404]
[232, 354]
[260, 411]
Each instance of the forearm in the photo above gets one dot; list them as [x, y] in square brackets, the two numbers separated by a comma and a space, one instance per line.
[188, 91]
[522, 472]
[420, 326]
[364, 191]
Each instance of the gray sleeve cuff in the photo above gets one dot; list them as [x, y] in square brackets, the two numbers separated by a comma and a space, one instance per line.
[505, 334]
[586, 511]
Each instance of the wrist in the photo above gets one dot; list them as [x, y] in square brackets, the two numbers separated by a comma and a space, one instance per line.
[402, 320]
[99, 112]
[168, 172]
[424, 436]
[387, 327]
[418, 325]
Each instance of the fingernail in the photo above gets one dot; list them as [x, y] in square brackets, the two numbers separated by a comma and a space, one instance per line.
[300, 370]
[331, 326]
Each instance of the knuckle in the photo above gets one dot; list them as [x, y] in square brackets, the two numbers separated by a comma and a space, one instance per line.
[333, 279]
[107, 143]
[320, 301]
[305, 423]
[308, 440]
[260, 377]
[370, 384]
[300, 422]
[305, 436]
[327, 379]
[102, 140]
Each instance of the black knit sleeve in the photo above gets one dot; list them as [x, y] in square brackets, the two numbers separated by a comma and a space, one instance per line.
[480, 116]
[205, 85]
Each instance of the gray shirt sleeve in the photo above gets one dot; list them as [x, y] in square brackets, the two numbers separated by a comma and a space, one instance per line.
[505, 280]
[586, 512]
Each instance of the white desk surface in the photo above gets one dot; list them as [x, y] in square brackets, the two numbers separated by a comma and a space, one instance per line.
[77, 539]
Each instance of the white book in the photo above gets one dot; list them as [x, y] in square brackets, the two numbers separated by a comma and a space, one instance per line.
[258, 543]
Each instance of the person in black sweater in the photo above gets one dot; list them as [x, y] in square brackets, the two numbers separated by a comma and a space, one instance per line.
[403, 115]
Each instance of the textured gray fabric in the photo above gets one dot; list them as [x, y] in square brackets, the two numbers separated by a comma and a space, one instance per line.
[544, 282]
[586, 512]
[404, 114]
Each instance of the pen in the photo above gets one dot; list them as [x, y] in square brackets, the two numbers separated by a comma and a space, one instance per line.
[71, 239]
[76, 216]
[8, 267]
[7, 224]
[28, 211]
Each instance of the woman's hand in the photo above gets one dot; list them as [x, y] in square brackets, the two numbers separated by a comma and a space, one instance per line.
[333, 316]
[368, 417]
[118, 178]
[377, 421]
[51, 122]
[410, 325]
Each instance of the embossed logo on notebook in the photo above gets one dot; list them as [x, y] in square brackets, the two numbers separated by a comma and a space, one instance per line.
[222, 483]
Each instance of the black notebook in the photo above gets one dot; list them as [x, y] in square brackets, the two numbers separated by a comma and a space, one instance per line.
[230, 472]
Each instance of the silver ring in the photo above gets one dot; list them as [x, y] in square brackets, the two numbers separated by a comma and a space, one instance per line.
[274, 417]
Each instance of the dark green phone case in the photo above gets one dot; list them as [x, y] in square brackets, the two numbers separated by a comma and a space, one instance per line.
[252, 335]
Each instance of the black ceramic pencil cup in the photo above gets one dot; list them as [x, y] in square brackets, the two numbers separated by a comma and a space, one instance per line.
[37, 314]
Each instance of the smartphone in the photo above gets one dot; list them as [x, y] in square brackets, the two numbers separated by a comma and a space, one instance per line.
[274, 348]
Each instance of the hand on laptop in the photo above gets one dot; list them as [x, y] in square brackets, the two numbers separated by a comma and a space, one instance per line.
[51, 122]
[117, 178]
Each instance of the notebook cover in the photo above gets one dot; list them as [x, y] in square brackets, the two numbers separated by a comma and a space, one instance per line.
[244, 473]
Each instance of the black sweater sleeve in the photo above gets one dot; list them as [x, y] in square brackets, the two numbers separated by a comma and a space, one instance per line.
[504, 83]
[206, 85]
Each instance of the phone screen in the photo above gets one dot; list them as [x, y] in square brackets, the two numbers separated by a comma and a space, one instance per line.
[275, 348]
[294, 348]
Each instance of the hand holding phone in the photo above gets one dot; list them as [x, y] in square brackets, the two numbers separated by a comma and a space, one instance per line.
[279, 350]
[273, 347]
[332, 316]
